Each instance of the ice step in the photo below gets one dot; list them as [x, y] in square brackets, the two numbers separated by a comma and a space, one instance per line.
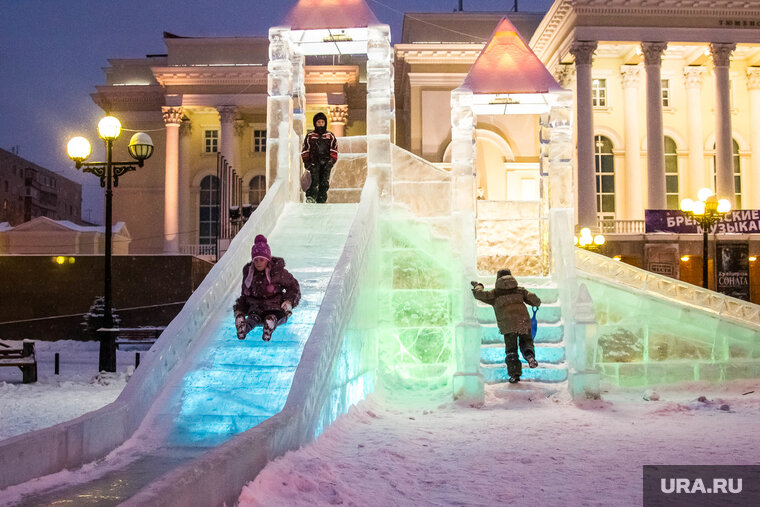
[546, 314]
[496, 355]
[498, 374]
[546, 333]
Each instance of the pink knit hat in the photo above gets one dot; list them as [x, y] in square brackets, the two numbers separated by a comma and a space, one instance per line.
[260, 248]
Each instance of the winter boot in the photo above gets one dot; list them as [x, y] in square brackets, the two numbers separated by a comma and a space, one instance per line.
[514, 379]
[531, 360]
[514, 368]
[270, 322]
[242, 326]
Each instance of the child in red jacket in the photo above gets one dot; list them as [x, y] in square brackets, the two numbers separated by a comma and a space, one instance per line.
[319, 154]
[269, 292]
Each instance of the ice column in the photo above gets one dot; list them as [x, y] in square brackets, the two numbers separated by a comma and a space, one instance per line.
[279, 107]
[583, 381]
[380, 109]
[467, 382]
[299, 114]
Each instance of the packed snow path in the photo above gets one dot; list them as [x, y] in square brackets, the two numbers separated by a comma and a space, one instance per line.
[226, 385]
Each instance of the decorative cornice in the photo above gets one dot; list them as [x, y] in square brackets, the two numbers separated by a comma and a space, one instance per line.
[444, 79]
[133, 98]
[583, 51]
[694, 7]
[414, 54]
[550, 25]
[172, 115]
[629, 75]
[693, 75]
[227, 113]
[753, 78]
[338, 114]
[653, 52]
[221, 75]
[329, 74]
[721, 53]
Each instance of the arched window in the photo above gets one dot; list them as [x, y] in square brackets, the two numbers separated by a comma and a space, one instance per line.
[209, 211]
[257, 188]
[737, 174]
[605, 178]
[671, 174]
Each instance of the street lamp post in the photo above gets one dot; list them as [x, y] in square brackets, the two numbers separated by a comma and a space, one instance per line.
[140, 148]
[707, 211]
[589, 241]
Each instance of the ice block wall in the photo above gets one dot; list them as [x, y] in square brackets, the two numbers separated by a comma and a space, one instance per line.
[279, 153]
[654, 329]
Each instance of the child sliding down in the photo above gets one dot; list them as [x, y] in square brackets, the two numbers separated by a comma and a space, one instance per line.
[269, 292]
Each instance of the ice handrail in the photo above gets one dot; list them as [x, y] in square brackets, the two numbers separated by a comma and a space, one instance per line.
[600, 267]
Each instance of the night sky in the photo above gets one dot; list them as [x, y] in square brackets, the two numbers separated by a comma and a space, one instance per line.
[52, 53]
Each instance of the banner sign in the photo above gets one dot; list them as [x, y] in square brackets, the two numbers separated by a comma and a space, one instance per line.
[742, 221]
[733, 269]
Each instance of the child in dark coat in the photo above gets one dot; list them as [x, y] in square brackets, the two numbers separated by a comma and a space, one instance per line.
[508, 300]
[319, 154]
[269, 292]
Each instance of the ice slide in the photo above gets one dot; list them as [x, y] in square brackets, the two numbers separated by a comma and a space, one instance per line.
[200, 385]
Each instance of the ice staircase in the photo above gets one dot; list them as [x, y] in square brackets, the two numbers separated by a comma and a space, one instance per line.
[549, 341]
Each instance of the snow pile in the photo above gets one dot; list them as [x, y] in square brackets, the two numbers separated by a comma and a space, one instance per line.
[528, 444]
[57, 398]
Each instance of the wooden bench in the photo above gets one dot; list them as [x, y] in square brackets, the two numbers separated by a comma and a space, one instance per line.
[24, 358]
[135, 338]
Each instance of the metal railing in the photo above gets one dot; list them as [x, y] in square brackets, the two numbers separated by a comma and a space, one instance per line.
[199, 250]
[621, 226]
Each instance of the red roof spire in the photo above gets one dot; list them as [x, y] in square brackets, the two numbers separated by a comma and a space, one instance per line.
[316, 14]
[508, 65]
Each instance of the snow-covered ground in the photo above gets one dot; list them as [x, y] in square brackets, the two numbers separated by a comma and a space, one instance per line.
[78, 388]
[527, 445]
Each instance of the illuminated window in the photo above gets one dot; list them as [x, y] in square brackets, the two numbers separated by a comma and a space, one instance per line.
[257, 188]
[599, 92]
[211, 140]
[259, 140]
[605, 178]
[665, 87]
[209, 211]
[671, 174]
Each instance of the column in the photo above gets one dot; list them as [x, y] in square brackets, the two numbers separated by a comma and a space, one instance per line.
[583, 52]
[697, 177]
[655, 134]
[380, 109]
[172, 120]
[753, 185]
[226, 149]
[280, 110]
[338, 117]
[185, 209]
[633, 196]
[724, 167]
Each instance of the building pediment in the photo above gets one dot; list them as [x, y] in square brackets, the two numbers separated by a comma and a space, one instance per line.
[462, 53]
[220, 75]
[132, 97]
[329, 74]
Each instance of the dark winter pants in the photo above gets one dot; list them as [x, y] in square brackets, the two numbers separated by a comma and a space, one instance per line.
[320, 181]
[257, 319]
[514, 368]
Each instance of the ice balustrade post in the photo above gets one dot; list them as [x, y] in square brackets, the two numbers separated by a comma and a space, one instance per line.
[299, 115]
[380, 109]
[280, 109]
[467, 382]
[582, 380]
